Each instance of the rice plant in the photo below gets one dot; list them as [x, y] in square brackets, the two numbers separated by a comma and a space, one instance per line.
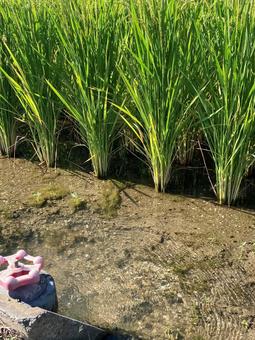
[160, 72]
[93, 34]
[34, 57]
[156, 83]
[7, 99]
[186, 144]
[228, 97]
[7, 120]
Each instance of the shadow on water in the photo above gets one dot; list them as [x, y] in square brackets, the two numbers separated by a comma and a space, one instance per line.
[198, 180]
[192, 181]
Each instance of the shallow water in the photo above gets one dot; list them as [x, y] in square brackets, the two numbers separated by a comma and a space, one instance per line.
[78, 264]
[124, 278]
[166, 266]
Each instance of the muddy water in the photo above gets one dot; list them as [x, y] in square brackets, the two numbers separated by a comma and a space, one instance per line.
[66, 253]
[107, 280]
[165, 267]
[139, 281]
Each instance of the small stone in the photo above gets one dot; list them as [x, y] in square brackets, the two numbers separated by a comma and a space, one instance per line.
[15, 214]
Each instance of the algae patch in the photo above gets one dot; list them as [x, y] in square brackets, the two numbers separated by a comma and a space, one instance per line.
[77, 203]
[51, 192]
[110, 199]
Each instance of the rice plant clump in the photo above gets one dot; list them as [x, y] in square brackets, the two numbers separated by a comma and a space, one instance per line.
[34, 56]
[8, 102]
[227, 112]
[159, 99]
[165, 74]
[93, 35]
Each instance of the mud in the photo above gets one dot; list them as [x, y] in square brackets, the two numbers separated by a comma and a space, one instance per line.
[157, 266]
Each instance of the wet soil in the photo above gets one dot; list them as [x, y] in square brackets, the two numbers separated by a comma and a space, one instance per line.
[157, 266]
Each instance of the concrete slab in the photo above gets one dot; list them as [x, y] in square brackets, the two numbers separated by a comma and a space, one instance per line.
[35, 323]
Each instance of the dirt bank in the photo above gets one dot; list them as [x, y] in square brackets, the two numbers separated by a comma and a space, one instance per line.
[157, 266]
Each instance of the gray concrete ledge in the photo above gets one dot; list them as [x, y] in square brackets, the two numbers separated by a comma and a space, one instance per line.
[36, 323]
